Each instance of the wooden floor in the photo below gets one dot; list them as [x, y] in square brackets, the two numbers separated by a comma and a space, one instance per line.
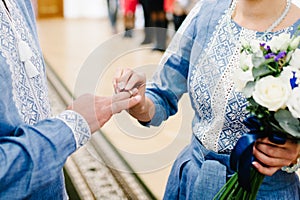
[71, 46]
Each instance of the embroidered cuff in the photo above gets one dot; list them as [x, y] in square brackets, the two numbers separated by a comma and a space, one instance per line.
[293, 168]
[78, 125]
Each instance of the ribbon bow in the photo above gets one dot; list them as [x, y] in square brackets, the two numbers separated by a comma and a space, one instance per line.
[242, 157]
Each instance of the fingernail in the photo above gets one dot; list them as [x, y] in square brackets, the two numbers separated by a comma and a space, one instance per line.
[138, 97]
[254, 163]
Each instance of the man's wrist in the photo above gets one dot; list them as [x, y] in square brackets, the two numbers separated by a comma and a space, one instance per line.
[78, 125]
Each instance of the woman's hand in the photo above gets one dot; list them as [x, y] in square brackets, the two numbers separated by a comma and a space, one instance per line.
[126, 80]
[272, 157]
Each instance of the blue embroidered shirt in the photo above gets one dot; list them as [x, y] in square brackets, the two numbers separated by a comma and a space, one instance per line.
[200, 60]
[33, 145]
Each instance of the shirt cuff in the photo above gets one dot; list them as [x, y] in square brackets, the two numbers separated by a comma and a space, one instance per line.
[78, 125]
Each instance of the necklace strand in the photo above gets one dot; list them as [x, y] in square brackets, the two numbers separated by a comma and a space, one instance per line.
[271, 27]
[5, 5]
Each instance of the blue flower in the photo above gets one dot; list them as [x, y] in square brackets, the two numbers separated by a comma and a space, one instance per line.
[293, 81]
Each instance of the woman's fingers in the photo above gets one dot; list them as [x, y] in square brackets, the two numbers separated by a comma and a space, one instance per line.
[124, 95]
[120, 78]
[289, 150]
[265, 164]
[124, 78]
[270, 156]
[134, 82]
[117, 76]
[269, 171]
[127, 79]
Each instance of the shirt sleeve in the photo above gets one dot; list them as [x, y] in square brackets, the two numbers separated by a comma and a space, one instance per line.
[33, 156]
[169, 82]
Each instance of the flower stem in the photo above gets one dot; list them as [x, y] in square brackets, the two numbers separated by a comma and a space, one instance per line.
[233, 190]
[257, 181]
[227, 188]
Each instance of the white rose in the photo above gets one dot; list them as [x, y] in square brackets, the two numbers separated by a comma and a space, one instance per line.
[240, 78]
[295, 60]
[272, 92]
[280, 42]
[294, 103]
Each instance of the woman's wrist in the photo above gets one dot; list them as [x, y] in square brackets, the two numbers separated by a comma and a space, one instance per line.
[292, 168]
[143, 113]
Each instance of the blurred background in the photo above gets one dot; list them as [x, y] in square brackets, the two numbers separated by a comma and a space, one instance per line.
[83, 48]
[84, 43]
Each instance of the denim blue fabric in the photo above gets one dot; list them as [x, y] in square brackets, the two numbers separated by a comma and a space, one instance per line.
[199, 173]
[33, 145]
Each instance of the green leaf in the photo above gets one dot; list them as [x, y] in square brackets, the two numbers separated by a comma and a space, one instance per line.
[261, 71]
[257, 60]
[288, 123]
[249, 89]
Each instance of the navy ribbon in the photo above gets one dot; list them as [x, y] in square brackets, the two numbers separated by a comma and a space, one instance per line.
[241, 157]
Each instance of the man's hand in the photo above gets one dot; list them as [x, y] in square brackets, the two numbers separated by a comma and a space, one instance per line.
[97, 110]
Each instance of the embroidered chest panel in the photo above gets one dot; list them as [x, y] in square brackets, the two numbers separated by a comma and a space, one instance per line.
[29, 93]
[220, 110]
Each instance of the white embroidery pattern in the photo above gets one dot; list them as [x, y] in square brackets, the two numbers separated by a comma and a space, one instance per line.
[30, 94]
[210, 87]
[78, 125]
[220, 109]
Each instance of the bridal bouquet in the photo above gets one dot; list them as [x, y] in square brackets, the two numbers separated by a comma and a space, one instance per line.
[269, 77]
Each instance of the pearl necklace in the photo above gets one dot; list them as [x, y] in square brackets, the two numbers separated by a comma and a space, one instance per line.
[271, 27]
